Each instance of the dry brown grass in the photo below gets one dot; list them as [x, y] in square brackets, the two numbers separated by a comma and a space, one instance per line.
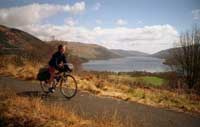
[33, 112]
[26, 72]
[18, 67]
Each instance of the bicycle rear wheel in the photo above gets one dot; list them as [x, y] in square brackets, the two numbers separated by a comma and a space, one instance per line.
[68, 86]
[44, 86]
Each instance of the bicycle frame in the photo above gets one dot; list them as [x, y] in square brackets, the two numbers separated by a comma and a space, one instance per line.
[59, 79]
[59, 75]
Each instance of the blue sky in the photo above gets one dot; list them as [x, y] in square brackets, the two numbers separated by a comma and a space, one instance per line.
[177, 13]
[170, 17]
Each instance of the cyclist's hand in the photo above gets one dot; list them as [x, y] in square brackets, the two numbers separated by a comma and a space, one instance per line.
[60, 65]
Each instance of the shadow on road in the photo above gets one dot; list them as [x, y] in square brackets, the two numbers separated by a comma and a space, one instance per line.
[31, 94]
[45, 96]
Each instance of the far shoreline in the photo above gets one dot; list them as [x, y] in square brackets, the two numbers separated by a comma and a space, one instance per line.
[128, 64]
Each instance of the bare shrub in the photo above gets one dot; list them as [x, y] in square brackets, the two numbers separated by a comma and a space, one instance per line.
[185, 60]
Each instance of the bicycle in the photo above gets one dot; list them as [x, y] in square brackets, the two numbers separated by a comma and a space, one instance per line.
[67, 83]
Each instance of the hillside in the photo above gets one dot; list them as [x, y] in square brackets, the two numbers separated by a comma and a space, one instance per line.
[14, 41]
[87, 51]
[94, 51]
[164, 54]
[127, 53]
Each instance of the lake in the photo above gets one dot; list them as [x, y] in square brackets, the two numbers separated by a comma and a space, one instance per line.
[128, 64]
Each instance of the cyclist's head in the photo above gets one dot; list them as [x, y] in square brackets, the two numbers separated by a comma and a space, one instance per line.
[61, 48]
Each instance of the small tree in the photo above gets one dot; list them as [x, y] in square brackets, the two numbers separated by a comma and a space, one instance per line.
[186, 58]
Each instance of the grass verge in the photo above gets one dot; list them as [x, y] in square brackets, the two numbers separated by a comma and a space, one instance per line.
[17, 111]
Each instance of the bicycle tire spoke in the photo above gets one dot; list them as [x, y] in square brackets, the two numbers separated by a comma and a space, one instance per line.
[69, 87]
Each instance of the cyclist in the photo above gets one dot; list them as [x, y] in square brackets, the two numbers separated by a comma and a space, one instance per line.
[58, 61]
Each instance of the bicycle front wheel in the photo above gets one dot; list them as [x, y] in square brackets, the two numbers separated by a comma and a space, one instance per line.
[68, 86]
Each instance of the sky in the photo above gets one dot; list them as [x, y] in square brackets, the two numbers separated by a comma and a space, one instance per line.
[143, 25]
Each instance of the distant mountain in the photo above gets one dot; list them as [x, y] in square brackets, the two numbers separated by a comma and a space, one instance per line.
[13, 41]
[164, 54]
[94, 51]
[87, 51]
[127, 53]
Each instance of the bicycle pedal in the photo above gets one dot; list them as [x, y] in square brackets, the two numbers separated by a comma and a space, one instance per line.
[51, 90]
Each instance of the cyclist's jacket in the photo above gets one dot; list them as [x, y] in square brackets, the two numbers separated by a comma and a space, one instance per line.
[56, 59]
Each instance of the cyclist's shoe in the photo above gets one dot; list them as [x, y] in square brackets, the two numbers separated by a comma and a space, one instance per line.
[51, 89]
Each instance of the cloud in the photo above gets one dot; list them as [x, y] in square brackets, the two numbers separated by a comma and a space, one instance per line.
[76, 8]
[35, 13]
[70, 21]
[148, 39]
[196, 14]
[121, 22]
[97, 6]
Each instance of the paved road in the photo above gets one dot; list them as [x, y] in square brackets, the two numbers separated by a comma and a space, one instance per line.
[91, 106]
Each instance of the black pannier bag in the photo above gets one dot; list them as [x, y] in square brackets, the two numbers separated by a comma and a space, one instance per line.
[43, 74]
